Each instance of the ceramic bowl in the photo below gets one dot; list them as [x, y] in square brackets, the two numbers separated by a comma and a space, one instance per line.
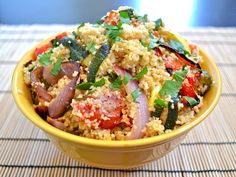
[113, 154]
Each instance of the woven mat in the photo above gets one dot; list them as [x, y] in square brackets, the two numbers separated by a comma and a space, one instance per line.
[208, 150]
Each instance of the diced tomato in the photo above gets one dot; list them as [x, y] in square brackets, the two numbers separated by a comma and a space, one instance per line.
[106, 109]
[193, 77]
[156, 33]
[41, 49]
[60, 36]
[113, 18]
[135, 23]
[173, 63]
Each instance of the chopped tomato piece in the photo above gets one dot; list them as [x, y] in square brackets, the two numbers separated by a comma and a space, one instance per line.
[41, 49]
[156, 33]
[173, 63]
[105, 109]
[193, 48]
[112, 18]
[158, 52]
[135, 23]
[60, 36]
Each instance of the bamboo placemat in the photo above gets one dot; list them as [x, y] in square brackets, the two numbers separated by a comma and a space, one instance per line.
[208, 150]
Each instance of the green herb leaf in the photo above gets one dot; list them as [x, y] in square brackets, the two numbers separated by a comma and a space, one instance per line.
[99, 83]
[158, 24]
[176, 45]
[179, 75]
[56, 68]
[140, 74]
[84, 85]
[172, 87]
[124, 17]
[75, 34]
[126, 79]
[191, 101]
[81, 25]
[135, 94]
[91, 47]
[160, 102]
[124, 14]
[114, 31]
[88, 85]
[116, 84]
[44, 59]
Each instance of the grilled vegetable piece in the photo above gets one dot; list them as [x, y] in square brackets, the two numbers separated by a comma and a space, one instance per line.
[205, 82]
[77, 51]
[41, 92]
[58, 106]
[181, 56]
[172, 114]
[100, 55]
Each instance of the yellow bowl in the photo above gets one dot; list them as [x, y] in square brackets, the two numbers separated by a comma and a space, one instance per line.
[113, 154]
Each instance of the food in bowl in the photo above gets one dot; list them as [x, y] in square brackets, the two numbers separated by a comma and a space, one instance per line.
[123, 78]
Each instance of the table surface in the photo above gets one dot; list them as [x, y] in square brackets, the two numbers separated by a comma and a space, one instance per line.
[208, 150]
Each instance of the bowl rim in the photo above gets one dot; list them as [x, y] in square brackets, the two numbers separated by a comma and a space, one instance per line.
[113, 144]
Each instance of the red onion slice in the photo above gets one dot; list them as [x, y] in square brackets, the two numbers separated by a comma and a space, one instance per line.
[142, 113]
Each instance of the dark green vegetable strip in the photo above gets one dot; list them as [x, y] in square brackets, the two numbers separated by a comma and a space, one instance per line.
[100, 55]
[172, 114]
[158, 23]
[158, 111]
[205, 80]
[77, 51]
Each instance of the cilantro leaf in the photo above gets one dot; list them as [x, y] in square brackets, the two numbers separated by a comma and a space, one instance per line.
[141, 73]
[91, 47]
[99, 83]
[191, 101]
[124, 17]
[172, 87]
[158, 24]
[126, 79]
[44, 59]
[56, 68]
[179, 75]
[116, 84]
[88, 85]
[84, 85]
[160, 102]
[176, 45]
[153, 43]
[135, 94]
[113, 32]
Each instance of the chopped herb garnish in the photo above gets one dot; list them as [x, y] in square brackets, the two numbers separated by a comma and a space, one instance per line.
[116, 83]
[84, 85]
[191, 101]
[84, 96]
[88, 85]
[153, 43]
[44, 59]
[159, 23]
[176, 45]
[114, 31]
[172, 87]
[81, 25]
[140, 74]
[135, 94]
[126, 79]
[142, 18]
[56, 68]
[75, 34]
[160, 102]
[99, 83]
[124, 17]
[91, 47]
